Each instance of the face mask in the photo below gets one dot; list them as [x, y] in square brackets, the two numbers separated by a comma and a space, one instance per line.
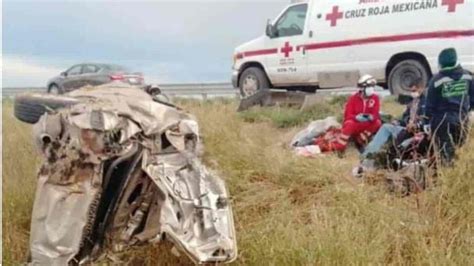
[415, 94]
[369, 91]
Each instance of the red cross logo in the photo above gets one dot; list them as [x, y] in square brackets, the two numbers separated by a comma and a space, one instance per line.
[287, 49]
[452, 4]
[334, 16]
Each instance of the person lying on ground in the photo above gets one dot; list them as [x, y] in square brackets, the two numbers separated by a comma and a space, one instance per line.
[450, 97]
[410, 123]
[361, 117]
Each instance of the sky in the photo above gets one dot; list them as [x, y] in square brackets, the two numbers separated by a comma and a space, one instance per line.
[168, 41]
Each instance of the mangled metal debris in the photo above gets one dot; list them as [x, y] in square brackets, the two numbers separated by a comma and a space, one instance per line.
[121, 170]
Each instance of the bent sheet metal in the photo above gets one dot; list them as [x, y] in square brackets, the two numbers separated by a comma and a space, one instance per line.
[121, 170]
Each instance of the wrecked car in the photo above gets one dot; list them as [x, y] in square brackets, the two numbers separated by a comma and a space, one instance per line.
[122, 169]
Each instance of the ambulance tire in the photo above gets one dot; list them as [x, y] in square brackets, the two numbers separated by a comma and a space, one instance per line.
[255, 78]
[30, 107]
[404, 73]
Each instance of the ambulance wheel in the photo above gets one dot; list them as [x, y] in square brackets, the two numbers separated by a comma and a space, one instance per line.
[404, 73]
[252, 80]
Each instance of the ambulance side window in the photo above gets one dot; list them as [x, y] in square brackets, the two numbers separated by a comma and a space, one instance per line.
[291, 23]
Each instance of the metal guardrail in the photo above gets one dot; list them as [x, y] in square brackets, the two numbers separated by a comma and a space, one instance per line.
[202, 90]
[9, 92]
[187, 90]
[193, 90]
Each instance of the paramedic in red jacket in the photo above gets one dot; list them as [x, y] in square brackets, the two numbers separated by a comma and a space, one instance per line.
[361, 115]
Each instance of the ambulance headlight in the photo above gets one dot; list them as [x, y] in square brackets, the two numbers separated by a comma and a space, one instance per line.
[237, 57]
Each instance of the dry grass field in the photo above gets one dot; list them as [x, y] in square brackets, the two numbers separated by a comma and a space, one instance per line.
[288, 210]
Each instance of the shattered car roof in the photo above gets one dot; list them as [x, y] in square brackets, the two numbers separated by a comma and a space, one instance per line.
[127, 101]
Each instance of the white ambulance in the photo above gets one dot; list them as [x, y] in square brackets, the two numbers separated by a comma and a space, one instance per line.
[329, 43]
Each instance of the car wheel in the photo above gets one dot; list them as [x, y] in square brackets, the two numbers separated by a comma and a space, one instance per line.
[55, 89]
[162, 98]
[404, 73]
[30, 107]
[252, 80]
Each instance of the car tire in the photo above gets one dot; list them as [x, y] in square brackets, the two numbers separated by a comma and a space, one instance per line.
[55, 89]
[252, 80]
[30, 107]
[404, 73]
[162, 98]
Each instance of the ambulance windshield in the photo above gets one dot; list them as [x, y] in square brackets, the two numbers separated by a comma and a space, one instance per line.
[292, 22]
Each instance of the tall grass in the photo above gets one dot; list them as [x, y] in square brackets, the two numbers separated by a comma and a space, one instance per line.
[284, 117]
[288, 210]
[19, 165]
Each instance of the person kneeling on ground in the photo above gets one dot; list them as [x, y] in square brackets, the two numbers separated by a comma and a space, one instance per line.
[361, 117]
[410, 123]
[450, 97]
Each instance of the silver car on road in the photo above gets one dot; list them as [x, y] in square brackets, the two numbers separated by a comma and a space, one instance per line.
[93, 74]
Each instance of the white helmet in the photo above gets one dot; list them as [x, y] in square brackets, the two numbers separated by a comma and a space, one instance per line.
[366, 81]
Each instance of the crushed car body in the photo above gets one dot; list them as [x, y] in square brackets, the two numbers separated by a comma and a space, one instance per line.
[120, 170]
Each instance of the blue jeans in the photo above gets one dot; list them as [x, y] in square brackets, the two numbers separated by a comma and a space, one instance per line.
[382, 137]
